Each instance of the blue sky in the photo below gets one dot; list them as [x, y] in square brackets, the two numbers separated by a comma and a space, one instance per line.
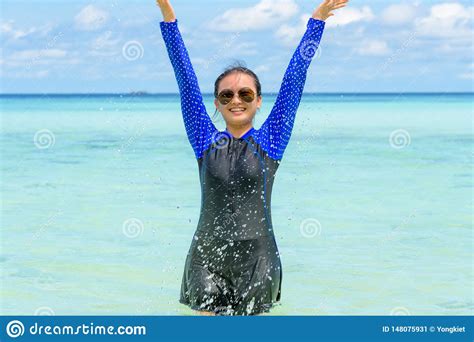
[116, 46]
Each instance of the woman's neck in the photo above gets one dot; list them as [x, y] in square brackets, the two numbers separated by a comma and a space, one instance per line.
[239, 131]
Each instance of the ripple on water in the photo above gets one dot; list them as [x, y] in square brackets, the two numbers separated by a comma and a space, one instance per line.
[455, 304]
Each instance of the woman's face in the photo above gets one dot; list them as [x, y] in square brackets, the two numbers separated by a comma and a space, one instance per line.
[236, 81]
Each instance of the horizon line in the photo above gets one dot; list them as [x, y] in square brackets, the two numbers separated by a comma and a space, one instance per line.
[144, 93]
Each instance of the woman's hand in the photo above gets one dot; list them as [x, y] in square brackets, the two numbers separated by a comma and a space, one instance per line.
[166, 10]
[324, 10]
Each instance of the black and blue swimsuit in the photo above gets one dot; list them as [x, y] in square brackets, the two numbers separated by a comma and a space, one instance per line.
[233, 266]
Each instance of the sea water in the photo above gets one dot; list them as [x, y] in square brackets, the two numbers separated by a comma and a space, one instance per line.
[372, 204]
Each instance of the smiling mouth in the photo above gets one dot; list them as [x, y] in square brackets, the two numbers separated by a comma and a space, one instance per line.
[238, 110]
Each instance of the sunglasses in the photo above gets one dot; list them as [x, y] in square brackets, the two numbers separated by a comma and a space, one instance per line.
[245, 94]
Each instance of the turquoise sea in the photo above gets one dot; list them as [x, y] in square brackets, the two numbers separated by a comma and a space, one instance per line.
[372, 205]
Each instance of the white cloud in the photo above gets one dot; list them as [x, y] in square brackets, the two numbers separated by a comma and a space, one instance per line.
[453, 47]
[199, 61]
[8, 29]
[36, 54]
[142, 72]
[265, 14]
[469, 74]
[32, 58]
[261, 68]
[447, 20]
[242, 49]
[138, 21]
[25, 74]
[91, 18]
[348, 15]
[236, 50]
[105, 45]
[41, 73]
[288, 34]
[373, 48]
[398, 14]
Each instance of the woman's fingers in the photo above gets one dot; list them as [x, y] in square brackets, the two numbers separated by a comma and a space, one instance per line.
[338, 6]
[162, 2]
[344, 2]
[324, 10]
[331, 3]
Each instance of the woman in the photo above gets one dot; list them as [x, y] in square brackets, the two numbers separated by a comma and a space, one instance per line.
[233, 265]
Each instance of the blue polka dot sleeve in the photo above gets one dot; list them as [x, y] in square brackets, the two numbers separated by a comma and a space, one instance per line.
[275, 132]
[197, 122]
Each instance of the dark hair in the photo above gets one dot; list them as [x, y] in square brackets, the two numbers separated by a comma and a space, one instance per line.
[238, 66]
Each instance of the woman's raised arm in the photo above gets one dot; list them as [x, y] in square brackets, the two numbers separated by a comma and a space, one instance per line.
[166, 10]
[276, 130]
[197, 122]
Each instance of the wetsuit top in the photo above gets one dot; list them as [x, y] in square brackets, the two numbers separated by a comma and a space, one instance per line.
[237, 174]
